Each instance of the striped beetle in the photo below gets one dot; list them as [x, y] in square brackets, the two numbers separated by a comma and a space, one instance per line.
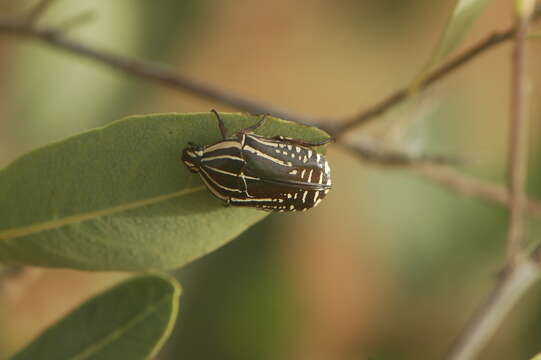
[268, 173]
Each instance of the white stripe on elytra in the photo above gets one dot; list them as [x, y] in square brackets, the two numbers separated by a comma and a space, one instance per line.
[230, 173]
[304, 196]
[316, 194]
[223, 145]
[218, 184]
[310, 175]
[210, 158]
[252, 200]
[266, 156]
[256, 139]
[327, 168]
[212, 190]
[243, 141]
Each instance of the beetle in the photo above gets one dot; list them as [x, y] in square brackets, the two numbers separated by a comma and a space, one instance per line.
[268, 173]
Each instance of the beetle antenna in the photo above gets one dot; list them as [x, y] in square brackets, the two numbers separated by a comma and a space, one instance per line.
[256, 125]
[221, 125]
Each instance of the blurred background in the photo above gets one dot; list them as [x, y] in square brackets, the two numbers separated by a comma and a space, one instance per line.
[390, 266]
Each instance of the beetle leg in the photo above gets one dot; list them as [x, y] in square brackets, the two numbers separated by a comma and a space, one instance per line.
[221, 124]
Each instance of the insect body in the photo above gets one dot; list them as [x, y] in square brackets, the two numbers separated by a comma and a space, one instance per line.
[268, 173]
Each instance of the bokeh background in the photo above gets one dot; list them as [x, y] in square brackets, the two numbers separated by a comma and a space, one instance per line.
[389, 266]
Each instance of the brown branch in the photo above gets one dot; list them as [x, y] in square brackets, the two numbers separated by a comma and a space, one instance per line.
[399, 96]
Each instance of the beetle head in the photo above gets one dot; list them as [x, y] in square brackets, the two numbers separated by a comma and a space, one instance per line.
[191, 156]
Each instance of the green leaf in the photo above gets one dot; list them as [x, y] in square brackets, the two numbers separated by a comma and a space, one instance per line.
[119, 198]
[464, 15]
[130, 321]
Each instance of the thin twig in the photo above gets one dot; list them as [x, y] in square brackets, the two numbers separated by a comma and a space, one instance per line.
[472, 187]
[435, 170]
[37, 11]
[149, 71]
[400, 95]
[521, 270]
[180, 82]
[511, 285]
[373, 151]
[518, 141]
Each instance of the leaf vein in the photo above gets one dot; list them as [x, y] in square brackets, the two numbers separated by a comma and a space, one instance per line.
[117, 333]
[73, 219]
